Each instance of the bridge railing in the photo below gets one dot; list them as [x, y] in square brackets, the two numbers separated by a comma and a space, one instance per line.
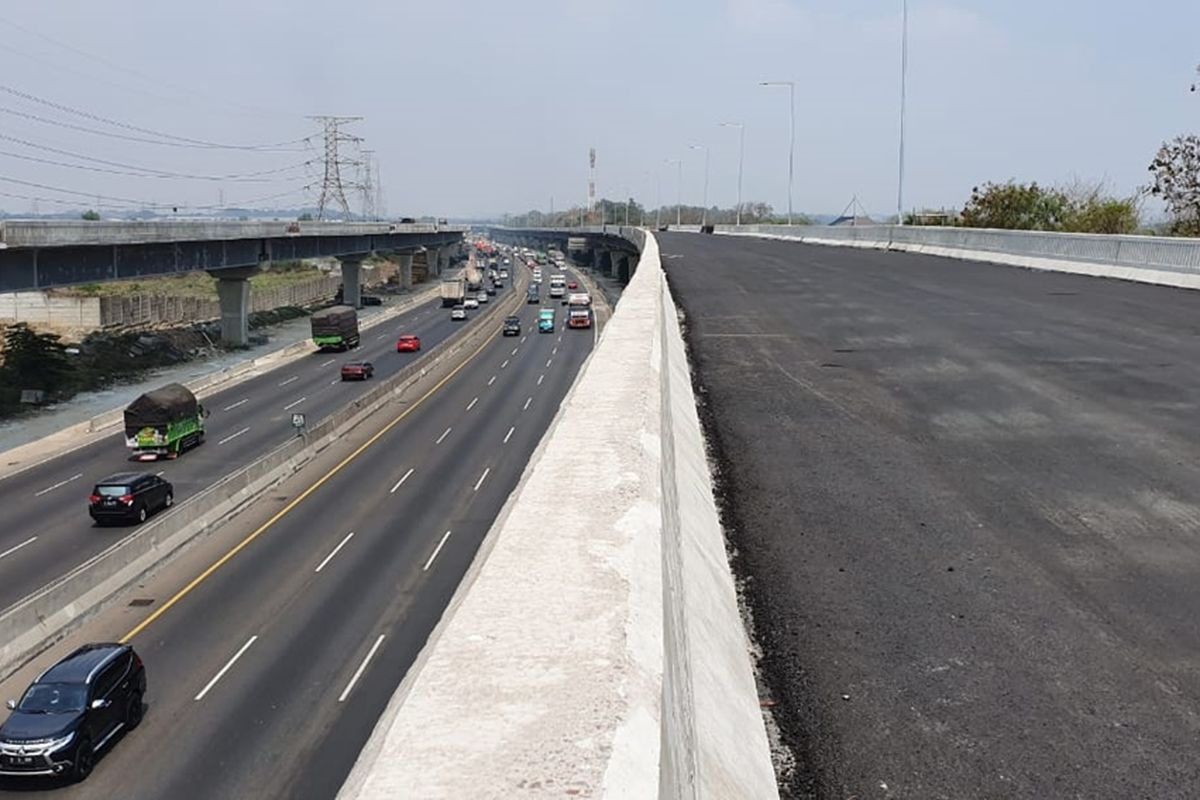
[74, 233]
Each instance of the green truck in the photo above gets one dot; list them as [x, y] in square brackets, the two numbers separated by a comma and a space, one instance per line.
[164, 422]
[335, 328]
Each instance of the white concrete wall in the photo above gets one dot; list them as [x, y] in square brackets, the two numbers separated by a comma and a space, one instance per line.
[39, 308]
[594, 649]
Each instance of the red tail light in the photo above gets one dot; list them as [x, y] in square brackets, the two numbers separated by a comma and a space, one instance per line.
[127, 499]
[93, 499]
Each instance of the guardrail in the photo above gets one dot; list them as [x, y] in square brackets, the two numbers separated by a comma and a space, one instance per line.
[74, 233]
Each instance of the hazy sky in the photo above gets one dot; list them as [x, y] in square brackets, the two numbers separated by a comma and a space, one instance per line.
[476, 108]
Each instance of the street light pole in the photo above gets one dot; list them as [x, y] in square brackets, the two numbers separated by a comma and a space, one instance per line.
[791, 135]
[903, 103]
[741, 160]
[678, 162]
[658, 198]
[704, 210]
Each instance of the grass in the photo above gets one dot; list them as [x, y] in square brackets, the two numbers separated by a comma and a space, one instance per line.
[193, 284]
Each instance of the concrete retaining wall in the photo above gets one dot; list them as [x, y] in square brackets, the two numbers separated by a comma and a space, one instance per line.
[36, 622]
[604, 656]
[40, 308]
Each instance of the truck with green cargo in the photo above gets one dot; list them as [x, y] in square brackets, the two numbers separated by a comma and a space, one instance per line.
[164, 422]
[335, 328]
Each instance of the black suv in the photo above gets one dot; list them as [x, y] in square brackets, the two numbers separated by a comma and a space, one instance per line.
[512, 326]
[129, 497]
[72, 711]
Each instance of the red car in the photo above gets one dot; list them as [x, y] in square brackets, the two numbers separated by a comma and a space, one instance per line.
[357, 370]
[573, 285]
[408, 343]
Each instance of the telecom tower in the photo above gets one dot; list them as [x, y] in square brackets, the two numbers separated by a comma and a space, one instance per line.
[333, 190]
[591, 181]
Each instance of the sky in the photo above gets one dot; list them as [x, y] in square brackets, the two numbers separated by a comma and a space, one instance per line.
[477, 108]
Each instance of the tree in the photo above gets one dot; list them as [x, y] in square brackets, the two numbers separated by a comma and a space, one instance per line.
[305, 217]
[34, 360]
[90, 215]
[1016, 206]
[1176, 171]
[1092, 210]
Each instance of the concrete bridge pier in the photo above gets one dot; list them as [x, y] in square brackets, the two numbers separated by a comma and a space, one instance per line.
[433, 262]
[405, 261]
[443, 260]
[622, 267]
[233, 293]
[351, 280]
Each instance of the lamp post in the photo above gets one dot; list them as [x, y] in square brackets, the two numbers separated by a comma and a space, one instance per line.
[658, 198]
[704, 209]
[903, 103]
[741, 160]
[791, 85]
[678, 162]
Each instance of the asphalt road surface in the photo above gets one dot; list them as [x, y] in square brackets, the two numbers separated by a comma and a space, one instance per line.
[964, 501]
[267, 677]
[47, 531]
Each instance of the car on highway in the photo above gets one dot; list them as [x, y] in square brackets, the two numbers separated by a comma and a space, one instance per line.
[537, 276]
[491, 290]
[482, 297]
[458, 312]
[573, 285]
[72, 711]
[504, 274]
[470, 303]
[546, 320]
[579, 318]
[129, 497]
[357, 370]
[531, 296]
[512, 326]
[408, 343]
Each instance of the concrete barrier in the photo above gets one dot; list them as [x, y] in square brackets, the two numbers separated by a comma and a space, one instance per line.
[36, 622]
[601, 654]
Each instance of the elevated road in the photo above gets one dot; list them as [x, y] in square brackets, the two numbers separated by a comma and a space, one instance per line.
[48, 531]
[267, 676]
[964, 499]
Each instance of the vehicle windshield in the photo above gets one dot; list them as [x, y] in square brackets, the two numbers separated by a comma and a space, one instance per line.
[112, 491]
[54, 698]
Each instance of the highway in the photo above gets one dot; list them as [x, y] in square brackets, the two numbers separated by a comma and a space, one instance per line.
[266, 675]
[963, 498]
[48, 531]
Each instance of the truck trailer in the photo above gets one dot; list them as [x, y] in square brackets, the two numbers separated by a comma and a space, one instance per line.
[454, 290]
[164, 422]
[335, 328]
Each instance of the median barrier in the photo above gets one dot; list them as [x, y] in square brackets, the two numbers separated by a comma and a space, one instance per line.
[36, 622]
[608, 658]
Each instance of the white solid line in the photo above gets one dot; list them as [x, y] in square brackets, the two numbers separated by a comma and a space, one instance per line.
[436, 550]
[505, 364]
[60, 483]
[289, 380]
[400, 482]
[329, 557]
[12, 550]
[541, 378]
[241, 402]
[225, 668]
[491, 380]
[234, 436]
[482, 478]
[445, 433]
[549, 361]
[526, 406]
[471, 404]
[327, 363]
[361, 667]
[514, 352]
[290, 406]
[508, 435]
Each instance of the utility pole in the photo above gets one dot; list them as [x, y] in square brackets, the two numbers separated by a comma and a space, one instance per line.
[333, 189]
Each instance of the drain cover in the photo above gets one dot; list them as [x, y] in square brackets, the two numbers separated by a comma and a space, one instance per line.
[141, 601]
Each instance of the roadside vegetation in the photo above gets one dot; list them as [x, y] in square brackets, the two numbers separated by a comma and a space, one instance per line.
[194, 284]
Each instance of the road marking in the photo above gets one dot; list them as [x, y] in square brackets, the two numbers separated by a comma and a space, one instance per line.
[361, 668]
[482, 478]
[327, 363]
[541, 378]
[225, 668]
[289, 380]
[491, 380]
[400, 482]
[471, 404]
[329, 557]
[159, 474]
[234, 436]
[241, 402]
[526, 406]
[290, 406]
[560, 337]
[554, 352]
[523, 338]
[381, 336]
[445, 433]
[549, 361]
[514, 352]
[436, 550]
[12, 550]
[281, 513]
[505, 364]
[55, 486]
[335, 383]
[508, 435]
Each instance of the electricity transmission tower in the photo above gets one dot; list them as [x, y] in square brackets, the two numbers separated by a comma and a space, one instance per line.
[333, 188]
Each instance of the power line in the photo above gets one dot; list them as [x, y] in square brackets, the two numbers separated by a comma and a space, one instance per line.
[333, 189]
[143, 203]
[126, 126]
